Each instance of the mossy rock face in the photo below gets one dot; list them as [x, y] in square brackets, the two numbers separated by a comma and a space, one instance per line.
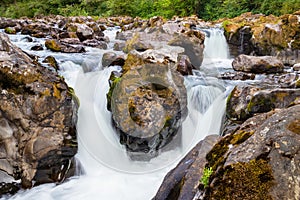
[251, 180]
[53, 45]
[37, 120]
[258, 161]
[246, 101]
[267, 35]
[147, 106]
[10, 30]
[57, 46]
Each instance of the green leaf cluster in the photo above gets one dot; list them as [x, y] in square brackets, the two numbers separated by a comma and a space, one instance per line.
[205, 177]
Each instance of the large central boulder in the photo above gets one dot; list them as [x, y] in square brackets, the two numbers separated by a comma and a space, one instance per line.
[37, 122]
[148, 103]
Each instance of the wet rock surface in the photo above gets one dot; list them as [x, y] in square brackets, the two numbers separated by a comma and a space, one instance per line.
[261, 35]
[158, 33]
[258, 161]
[148, 103]
[37, 121]
[183, 180]
[248, 100]
[254, 64]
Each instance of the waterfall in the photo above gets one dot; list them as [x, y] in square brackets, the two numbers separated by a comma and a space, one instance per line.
[109, 172]
[216, 52]
[215, 44]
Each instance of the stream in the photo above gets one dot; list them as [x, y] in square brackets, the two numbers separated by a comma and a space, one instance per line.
[106, 171]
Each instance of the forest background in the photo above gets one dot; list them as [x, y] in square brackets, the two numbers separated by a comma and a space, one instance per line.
[204, 9]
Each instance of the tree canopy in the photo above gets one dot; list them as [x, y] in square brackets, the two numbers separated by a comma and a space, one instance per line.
[205, 9]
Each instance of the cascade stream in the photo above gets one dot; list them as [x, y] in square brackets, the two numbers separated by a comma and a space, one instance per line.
[106, 170]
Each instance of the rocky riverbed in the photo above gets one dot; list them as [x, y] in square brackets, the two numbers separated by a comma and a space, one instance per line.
[255, 157]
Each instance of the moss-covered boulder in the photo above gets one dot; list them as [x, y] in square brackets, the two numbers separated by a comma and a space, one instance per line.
[10, 30]
[257, 64]
[265, 35]
[37, 121]
[258, 161]
[247, 100]
[148, 103]
[58, 46]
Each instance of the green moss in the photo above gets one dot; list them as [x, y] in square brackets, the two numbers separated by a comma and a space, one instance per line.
[259, 104]
[240, 137]
[75, 98]
[10, 30]
[132, 61]
[251, 180]
[217, 155]
[113, 81]
[130, 43]
[53, 45]
[294, 126]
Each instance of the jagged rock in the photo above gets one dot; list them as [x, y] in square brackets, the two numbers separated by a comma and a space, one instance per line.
[260, 160]
[289, 80]
[37, 47]
[37, 120]
[39, 29]
[119, 46]
[181, 182]
[184, 65]
[111, 58]
[57, 46]
[265, 35]
[7, 22]
[51, 62]
[255, 64]
[83, 31]
[237, 76]
[95, 43]
[65, 34]
[193, 46]
[247, 100]
[164, 34]
[148, 103]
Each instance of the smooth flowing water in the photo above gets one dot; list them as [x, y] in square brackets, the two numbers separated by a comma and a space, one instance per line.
[108, 171]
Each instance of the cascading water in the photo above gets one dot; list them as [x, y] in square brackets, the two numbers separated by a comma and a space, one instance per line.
[108, 171]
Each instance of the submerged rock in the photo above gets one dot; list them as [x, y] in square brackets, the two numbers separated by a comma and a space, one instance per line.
[37, 120]
[255, 64]
[148, 103]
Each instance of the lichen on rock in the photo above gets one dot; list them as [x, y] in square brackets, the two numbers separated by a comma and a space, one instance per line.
[148, 103]
[37, 120]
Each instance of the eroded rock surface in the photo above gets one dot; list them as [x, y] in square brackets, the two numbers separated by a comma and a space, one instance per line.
[37, 120]
[148, 103]
[257, 64]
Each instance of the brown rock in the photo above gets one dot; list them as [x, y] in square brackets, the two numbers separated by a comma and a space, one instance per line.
[254, 64]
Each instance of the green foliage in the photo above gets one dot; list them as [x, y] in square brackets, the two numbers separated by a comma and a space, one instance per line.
[205, 177]
[205, 9]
